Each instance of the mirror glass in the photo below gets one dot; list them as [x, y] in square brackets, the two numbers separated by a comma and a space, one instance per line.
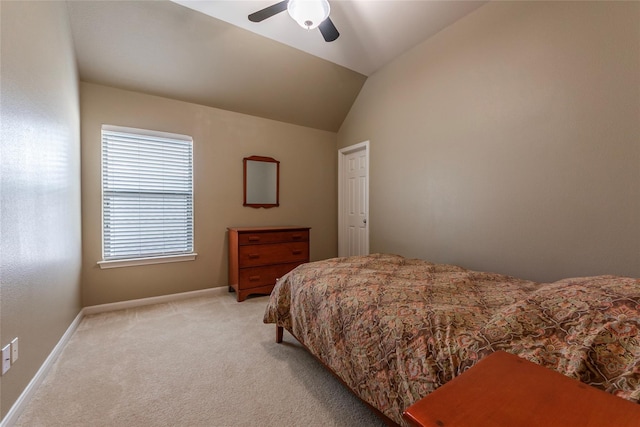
[261, 182]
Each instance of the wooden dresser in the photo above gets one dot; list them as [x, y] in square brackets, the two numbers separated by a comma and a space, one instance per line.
[260, 255]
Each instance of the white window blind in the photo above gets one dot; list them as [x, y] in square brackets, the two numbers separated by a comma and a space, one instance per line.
[147, 194]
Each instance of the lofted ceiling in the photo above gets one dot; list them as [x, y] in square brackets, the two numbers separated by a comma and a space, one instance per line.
[209, 53]
[372, 32]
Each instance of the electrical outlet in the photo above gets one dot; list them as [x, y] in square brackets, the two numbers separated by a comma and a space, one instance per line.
[6, 358]
[14, 350]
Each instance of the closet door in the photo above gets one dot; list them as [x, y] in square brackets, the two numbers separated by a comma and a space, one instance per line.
[353, 203]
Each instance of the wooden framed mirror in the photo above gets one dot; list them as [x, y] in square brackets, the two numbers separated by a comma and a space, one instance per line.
[261, 182]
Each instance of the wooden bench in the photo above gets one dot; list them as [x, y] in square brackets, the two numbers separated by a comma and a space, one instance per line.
[503, 390]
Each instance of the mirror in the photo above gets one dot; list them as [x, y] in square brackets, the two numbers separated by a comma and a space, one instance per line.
[261, 182]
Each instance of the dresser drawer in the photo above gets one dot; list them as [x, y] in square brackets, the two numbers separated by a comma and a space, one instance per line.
[258, 238]
[259, 276]
[250, 256]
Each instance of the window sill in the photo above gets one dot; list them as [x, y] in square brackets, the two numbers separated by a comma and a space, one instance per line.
[131, 262]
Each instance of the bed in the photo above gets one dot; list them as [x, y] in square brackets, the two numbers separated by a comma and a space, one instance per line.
[394, 329]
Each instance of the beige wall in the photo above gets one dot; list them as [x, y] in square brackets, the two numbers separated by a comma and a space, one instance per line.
[510, 142]
[308, 172]
[40, 186]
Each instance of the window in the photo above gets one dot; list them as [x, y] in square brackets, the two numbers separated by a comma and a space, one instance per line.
[147, 197]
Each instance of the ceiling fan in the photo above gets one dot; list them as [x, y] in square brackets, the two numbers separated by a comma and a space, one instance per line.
[308, 14]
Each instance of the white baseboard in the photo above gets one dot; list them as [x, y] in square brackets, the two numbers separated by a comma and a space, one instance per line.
[94, 309]
[20, 404]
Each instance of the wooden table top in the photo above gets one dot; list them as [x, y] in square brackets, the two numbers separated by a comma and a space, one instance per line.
[503, 390]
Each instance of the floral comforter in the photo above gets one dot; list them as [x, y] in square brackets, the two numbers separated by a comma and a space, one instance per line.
[395, 329]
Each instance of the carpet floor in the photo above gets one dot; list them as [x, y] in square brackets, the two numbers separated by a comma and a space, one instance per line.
[206, 361]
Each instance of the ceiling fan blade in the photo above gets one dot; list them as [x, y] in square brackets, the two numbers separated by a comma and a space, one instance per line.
[328, 30]
[268, 12]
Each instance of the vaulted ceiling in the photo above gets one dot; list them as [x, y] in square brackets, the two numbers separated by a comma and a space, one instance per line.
[274, 69]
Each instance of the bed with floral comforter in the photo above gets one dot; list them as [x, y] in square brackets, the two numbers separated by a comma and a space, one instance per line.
[394, 329]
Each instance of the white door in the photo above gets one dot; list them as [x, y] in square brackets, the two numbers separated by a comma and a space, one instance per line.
[353, 200]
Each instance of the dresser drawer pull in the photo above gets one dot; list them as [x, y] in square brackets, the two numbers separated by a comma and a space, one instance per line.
[254, 278]
[296, 252]
[296, 236]
[254, 256]
[254, 238]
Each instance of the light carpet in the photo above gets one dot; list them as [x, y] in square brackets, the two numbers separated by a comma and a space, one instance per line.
[207, 361]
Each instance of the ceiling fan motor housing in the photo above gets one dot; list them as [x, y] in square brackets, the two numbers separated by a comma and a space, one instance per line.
[309, 14]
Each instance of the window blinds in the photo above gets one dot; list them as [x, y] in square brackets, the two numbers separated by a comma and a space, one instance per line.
[147, 194]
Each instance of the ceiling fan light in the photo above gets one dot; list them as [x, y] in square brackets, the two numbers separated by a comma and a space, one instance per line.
[308, 13]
